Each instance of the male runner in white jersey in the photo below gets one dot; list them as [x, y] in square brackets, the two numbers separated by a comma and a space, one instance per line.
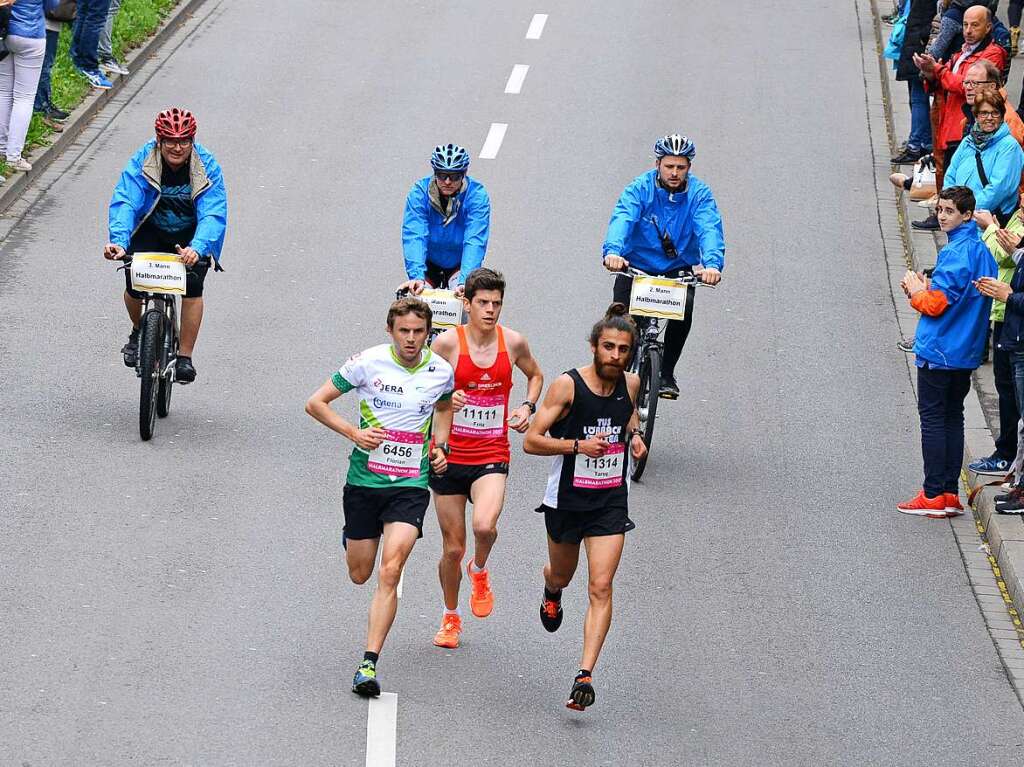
[401, 386]
[590, 415]
[482, 352]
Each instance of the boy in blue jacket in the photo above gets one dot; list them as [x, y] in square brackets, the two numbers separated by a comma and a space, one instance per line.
[949, 344]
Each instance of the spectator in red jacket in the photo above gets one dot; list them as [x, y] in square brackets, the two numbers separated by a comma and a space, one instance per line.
[946, 79]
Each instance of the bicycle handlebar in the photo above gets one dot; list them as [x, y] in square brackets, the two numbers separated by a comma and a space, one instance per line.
[126, 259]
[685, 279]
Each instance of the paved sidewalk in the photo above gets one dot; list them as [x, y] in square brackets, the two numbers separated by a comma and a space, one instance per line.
[1001, 558]
[17, 184]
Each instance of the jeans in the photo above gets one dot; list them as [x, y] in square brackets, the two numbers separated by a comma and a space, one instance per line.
[19, 76]
[105, 48]
[1009, 414]
[940, 405]
[85, 36]
[676, 332]
[43, 95]
[920, 120]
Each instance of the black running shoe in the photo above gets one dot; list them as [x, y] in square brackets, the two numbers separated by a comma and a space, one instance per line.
[929, 224]
[908, 156]
[131, 349]
[184, 373]
[365, 681]
[669, 388]
[1013, 504]
[54, 113]
[582, 693]
[551, 614]
[906, 346]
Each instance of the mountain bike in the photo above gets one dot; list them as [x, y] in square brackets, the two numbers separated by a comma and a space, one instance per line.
[160, 278]
[653, 301]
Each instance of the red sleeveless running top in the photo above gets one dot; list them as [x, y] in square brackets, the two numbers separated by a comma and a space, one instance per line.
[480, 429]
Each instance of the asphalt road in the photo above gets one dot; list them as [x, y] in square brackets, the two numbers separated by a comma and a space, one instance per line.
[185, 601]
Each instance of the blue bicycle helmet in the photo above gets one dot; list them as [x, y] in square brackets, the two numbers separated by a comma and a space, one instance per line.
[450, 158]
[675, 145]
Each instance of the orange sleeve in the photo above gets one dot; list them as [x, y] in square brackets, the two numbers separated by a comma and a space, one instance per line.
[930, 302]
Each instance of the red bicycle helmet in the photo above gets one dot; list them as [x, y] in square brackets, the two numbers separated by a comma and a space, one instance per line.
[175, 123]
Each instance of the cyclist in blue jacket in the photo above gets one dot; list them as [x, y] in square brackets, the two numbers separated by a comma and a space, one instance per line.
[446, 225]
[170, 199]
[666, 223]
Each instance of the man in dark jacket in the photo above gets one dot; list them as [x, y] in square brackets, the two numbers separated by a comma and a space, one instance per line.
[915, 39]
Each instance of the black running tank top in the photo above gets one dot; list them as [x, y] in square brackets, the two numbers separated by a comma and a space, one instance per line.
[582, 483]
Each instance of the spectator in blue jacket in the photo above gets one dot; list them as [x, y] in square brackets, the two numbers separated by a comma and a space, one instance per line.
[666, 223]
[1011, 341]
[19, 76]
[446, 225]
[949, 344]
[989, 160]
[170, 199]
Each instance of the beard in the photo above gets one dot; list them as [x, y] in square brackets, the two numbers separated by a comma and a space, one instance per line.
[608, 371]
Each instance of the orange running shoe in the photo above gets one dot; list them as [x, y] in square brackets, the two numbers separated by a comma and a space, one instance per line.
[953, 506]
[923, 506]
[481, 601]
[448, 634]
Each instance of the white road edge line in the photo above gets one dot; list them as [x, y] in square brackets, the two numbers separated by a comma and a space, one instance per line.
[536, 26]
[515, 80]
[382, 730]
[493, 142]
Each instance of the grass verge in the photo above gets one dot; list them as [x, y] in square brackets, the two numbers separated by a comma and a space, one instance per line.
[136, 21]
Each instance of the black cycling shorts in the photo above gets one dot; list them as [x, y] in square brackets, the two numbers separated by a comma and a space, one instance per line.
[574, 526]
[458, 479]
[368, 509]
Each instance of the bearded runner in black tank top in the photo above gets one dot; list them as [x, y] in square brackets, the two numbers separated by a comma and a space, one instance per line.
[592, 485]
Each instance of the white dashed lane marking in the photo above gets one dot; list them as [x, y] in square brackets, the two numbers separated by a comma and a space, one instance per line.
[536, 26]
[381, 730]
[515, 80]
[493, 142]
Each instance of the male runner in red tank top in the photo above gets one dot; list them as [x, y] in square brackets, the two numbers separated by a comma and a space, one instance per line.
[482, 353]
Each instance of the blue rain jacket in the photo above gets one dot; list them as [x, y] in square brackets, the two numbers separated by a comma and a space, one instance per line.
[138, 192]
[462, 242]
[956, 338]
[27, 18]
[690, 217]
[1002, 160]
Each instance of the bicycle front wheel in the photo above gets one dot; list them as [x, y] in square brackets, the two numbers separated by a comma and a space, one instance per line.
[151, 340]
[647, 403]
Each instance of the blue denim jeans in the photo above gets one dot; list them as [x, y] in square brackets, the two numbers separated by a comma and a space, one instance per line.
[43, 91]
[105, 48]
[920, 119]
[940, 405]
[90, 18]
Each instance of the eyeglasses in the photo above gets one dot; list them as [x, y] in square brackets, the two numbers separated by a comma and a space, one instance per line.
[449, 176]
[179, 143]
[975, 83]
[987, 113]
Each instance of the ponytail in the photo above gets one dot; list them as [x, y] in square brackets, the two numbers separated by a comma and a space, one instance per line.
[615, 318]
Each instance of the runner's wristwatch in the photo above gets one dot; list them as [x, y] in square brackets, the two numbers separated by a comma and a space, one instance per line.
[531, 405]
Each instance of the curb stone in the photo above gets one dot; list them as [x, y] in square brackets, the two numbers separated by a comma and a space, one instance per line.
[43, 156]
[999, 538]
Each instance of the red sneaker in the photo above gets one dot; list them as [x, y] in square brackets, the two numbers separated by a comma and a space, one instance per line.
[481, 600]
[953, 506]
[923, 506]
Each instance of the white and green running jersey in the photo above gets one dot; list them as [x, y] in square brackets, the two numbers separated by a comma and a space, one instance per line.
[401, 401]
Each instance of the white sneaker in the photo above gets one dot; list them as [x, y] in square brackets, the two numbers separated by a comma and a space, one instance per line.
[112, 66]
[19, 164]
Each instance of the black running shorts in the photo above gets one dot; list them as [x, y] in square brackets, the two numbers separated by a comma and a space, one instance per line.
[368, 509]
[574, 526]
[459, 477]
